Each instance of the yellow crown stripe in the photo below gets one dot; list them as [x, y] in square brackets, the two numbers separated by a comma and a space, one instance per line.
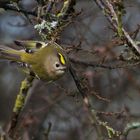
[62, 59]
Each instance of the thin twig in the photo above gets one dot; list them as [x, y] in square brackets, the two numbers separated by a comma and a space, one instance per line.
[129, 127]
[47, 132]
[93, 64]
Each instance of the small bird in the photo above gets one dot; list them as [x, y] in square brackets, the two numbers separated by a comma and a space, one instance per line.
[45, 61]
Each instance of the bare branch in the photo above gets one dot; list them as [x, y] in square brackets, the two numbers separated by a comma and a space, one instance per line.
[111, 15]
[19, 103]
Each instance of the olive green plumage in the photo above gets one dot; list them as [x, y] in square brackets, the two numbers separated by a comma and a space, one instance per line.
[46, 61]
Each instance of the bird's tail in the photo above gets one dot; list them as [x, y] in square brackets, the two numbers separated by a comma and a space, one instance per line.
[10, 54]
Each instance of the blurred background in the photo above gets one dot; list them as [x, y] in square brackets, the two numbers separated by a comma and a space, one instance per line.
[59, 104]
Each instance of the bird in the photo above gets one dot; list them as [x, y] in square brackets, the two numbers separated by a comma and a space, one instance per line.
[45, 61]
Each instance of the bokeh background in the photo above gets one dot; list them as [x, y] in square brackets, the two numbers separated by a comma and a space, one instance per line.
[59, 103]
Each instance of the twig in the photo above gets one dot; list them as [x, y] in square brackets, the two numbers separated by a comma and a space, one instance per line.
[111, 132]
[49, 6]
[135, 33]
[46, 133]
[66, 10]
[2, 134]
[129, 127]
[62, 16]
[93, 64]
[100, 97]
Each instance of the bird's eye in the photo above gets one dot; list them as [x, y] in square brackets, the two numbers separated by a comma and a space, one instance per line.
[38, 45]
[57, 65]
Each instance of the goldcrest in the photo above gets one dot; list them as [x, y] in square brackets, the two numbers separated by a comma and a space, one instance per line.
[45, 61]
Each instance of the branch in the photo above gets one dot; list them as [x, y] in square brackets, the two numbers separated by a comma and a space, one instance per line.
[95, 121]
[129, 127]
[83, 91]
[19, 103]
[112, 17]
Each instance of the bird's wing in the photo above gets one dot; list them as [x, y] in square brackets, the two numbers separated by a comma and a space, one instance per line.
[29, 45]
